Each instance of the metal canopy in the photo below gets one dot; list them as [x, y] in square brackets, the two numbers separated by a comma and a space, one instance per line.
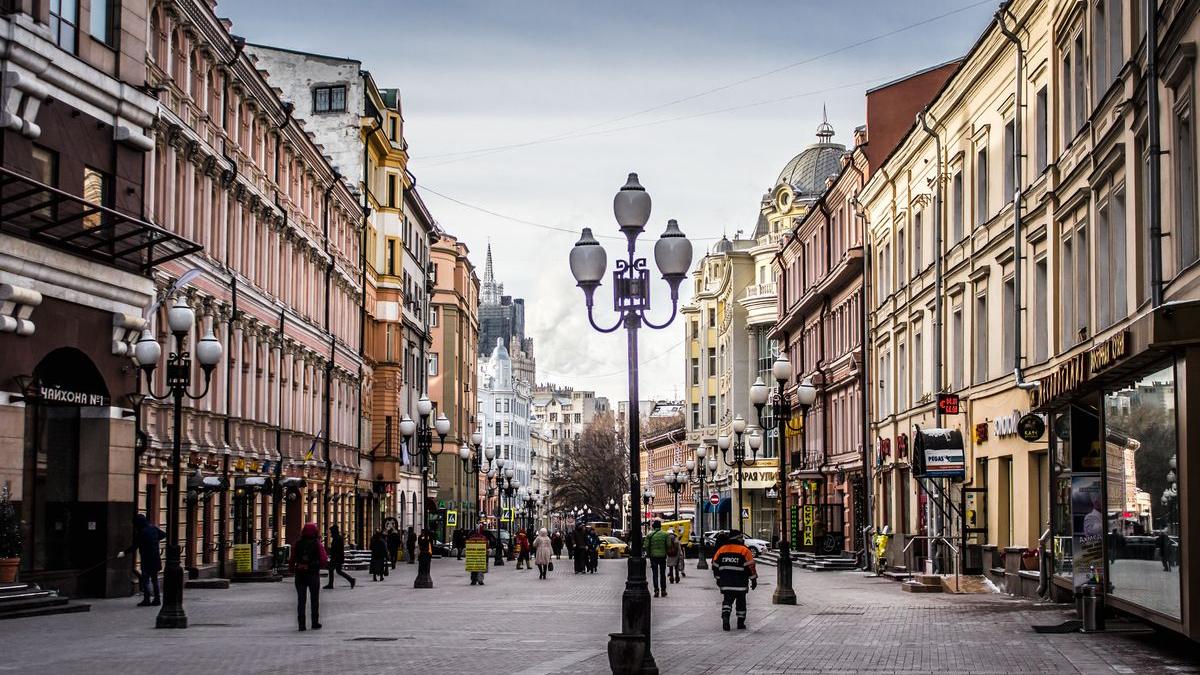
[39, 212]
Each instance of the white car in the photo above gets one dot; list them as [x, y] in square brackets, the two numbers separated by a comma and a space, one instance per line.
[757, 546]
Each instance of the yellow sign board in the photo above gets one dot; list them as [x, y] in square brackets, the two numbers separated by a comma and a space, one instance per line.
[452, 518]
[506, 515]
[243, 558]
[808, 524]
[476, 555]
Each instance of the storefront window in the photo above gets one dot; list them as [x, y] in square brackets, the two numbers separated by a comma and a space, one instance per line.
[1144, 552]
[1060, 450]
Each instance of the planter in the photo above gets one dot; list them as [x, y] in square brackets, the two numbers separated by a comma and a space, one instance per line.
[1029, 563]
[626, 651]
[8, 570]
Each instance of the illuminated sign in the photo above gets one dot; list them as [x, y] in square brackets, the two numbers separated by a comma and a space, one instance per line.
[948, 404]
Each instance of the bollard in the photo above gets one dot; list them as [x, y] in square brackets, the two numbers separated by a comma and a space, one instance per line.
[1092, 612]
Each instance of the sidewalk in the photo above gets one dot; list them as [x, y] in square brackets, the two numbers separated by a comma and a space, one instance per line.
[518, 625]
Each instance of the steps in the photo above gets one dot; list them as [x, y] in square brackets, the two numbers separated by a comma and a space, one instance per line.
[923, 583]
[357, 559]
[24, 600]
[824, 563]
[257, 576]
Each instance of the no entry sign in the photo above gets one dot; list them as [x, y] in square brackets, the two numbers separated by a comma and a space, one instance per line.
[714, 499]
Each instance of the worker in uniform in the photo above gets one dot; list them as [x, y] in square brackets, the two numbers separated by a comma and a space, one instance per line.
[733, 566]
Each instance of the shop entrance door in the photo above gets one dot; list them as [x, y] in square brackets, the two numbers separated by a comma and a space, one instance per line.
[243, 516]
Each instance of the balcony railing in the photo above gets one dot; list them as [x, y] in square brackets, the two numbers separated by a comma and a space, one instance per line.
[760, 290]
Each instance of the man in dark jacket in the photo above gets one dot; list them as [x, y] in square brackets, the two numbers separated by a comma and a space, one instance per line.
[410, 545]
[580, 549]
[733, 566]
[459, 541]
[308, 557]
[145, 541]
[337, 556]
[393, 543]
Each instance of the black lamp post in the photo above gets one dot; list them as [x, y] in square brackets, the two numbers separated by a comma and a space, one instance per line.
[425, 451]
[612, 506]
[502, 479]
[702, 469]
[647, 500]
[780, 418]
[675, 479]
[739, 458]
[471, 468]
[631, 301]
[181, 319]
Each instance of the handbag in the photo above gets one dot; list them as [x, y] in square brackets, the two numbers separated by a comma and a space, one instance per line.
[551, 568]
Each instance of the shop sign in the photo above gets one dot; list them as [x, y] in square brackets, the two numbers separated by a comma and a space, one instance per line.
[981, 432]
[902, 446]
[1081, 368]
[1109, 352]
[60, 395]
[476, 554]
[939, 454]
[948, 404]
[1031, 427]
[760, 478]
[243, 559]
[809, 524]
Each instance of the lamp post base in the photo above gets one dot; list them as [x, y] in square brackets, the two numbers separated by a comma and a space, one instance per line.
[784, 595]
[702, 559]
[635, 612]
[423, 579]
[172, 615]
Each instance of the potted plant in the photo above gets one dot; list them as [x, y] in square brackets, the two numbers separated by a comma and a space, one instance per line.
[10, 539]
[1029, 559]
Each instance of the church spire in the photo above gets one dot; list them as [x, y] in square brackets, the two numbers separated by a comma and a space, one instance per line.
[490, 291]
[488, 276]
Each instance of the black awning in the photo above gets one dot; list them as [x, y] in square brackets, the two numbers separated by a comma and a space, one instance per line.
[41, 213]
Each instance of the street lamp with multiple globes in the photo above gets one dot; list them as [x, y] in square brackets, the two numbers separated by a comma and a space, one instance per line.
[470, 456]
[502, 477]
[426, 452]
[631, 300]
[676, 479]
[780, 418]
[702, 470]
[181, 319]
[739, 459]
[612, 506]
[647, 500]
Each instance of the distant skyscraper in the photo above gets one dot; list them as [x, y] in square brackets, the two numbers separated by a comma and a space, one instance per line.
[502, 317]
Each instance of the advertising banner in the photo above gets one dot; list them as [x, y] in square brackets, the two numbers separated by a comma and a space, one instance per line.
[243, 558]
[476, 555]
[1087, 530]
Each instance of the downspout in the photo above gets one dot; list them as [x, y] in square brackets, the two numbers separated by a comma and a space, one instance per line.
[277, 491]
[939, 282]
[328, 497]
[362, 333]
[1154, 156]
[223, 506]
[863, 341]
[1018, 155]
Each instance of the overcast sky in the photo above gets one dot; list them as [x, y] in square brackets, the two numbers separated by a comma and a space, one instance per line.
[705, 99]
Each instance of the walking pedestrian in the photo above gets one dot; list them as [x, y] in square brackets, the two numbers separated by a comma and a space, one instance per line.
[733, 567]
[459, 541]
[672, 557]
[410, 545]
[337, 556]
[569, 544]
[1163, 544]
[580, 549]
[542, 549]
[593, 550]
[556, 544]
[393, 543]
[523, 550]
[308, 557]
[656, 550]
[145, 542]
[424, 551]
[380, 556]
[478, 535]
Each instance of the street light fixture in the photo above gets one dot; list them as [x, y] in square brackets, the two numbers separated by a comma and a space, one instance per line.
[631, 300]
[425, 451]
[675, 479]
[181, 319]
[703, 470]
[739, 459]
[780, 418]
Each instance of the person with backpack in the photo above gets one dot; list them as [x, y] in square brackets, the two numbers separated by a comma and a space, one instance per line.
[672, 557]
[656, 550]
[337, 556]
[733, 567]
[145, 541]
[307, 560]
[593, 550]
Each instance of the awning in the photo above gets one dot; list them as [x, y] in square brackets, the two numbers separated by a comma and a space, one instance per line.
[721, 507]
[39, 212]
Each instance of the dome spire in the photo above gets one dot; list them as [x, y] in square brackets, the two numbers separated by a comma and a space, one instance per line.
[825, 129]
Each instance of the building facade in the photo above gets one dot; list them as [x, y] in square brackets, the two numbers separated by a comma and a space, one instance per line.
[503, 417]
[502, 317]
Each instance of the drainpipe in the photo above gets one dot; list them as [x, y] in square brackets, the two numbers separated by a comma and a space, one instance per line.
[939, 282]
[1154, 156]
[864, 368]
[332, 349]
[1018, 305]
[223, 506]
[360, 530]
[277, 491]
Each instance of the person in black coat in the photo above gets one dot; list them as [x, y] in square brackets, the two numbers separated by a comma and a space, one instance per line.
[581, 549]
[145, 541]
[556, 544]
[380, 555]
[393, 542]
[410, 545]
[337, 556]
[459, 542]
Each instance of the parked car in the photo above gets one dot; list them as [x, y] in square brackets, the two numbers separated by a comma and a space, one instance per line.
[618, 548]
[757, 546]
[441, 548]
[505, 538]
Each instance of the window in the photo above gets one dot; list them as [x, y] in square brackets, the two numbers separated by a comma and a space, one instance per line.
[695, 416]
[433, 364]
[695, 330]
[981, 337]
[902, 376]
[392, 128]
[885, 272]
[901, 255]
[1041, 145]
[1041, 319]
[433, 316]
[1074, 282]
[1008, 302]
[101, 23]
[391, 190]
[97, 189]
[1010, 140]
[695, 370]
[1080, 93]
[1111, 259]
[956, 346]
[1185, 186]
[499, 406]
[712, 410]
[712, 361]
[981, 187]
[1099, 48]
[64, 23]
[918, 387]
[918, 240]
[45, 171]
[712, 318]
[1068, 81]
[389, 264]
[885, 382]
[387, 342]
[956, 208]
[329, 99]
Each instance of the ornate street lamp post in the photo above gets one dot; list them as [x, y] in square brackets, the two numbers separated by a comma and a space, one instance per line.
[471, 467]
[780, 418]
[739, 458]
[426, 452]
[675, 479]
[181, 319]
[631, 301]
[647, 500]
[703, 469]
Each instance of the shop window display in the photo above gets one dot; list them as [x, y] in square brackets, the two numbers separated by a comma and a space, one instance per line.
[1143, 544]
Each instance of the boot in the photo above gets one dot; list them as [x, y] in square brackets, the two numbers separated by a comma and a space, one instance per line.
[144, 603]
[741, 624]
[724, 622]
[352, 583]
[156, 602]
[316, 623]
[302, 626]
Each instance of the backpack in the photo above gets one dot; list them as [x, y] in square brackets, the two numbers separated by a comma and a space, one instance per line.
[672, 546]
[308, 555]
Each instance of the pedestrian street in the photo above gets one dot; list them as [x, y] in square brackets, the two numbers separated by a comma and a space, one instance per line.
[518, 625]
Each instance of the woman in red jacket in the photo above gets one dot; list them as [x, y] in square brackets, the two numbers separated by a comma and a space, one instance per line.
[307, 561]
[523, 550]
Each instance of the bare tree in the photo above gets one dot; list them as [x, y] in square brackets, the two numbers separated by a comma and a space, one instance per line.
[593, 469]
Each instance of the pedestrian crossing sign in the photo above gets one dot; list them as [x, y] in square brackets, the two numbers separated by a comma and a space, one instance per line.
[506, 515]
[452, 518]
[745, 513]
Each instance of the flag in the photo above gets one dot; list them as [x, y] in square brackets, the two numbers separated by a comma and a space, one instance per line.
[312, 449]
[405, 459]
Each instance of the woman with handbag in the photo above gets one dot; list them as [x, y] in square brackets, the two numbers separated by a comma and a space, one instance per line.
[542, 550]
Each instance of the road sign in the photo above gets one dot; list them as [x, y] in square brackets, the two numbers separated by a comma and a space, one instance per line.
[745, 513]
[506, 515]
[714, 499]
[452, 518]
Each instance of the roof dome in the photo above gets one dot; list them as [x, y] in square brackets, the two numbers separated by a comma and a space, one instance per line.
[807, 171]
[723, 246]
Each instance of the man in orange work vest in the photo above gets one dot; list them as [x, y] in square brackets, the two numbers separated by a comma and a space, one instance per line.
[733, 566]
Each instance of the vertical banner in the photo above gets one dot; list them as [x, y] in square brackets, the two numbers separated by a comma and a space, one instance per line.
[1087, 530]
[476, 554]
[243, 559]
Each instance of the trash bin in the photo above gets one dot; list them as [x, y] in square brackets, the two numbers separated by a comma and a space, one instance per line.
[1092, 608]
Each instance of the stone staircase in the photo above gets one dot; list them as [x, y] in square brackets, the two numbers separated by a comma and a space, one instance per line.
[923, 583]
[809, 561]
[23, 600]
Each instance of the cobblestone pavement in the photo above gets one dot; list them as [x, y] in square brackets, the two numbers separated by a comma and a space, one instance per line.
[518, 625]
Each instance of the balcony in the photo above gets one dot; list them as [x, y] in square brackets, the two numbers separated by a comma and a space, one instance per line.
[756, 291]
